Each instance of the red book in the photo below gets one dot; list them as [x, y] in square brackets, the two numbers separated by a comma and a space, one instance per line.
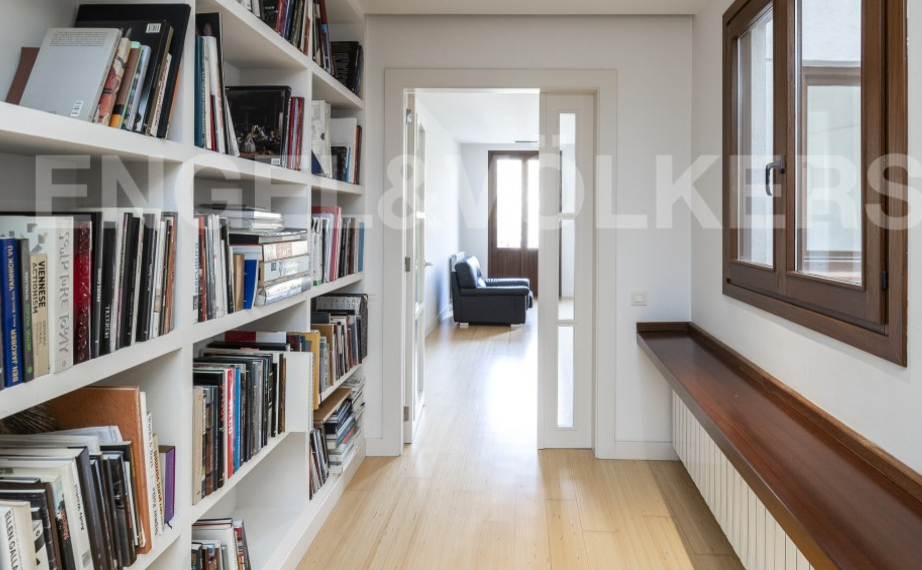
[83, 288]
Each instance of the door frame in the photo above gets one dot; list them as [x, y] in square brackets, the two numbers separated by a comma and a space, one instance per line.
[602, 82]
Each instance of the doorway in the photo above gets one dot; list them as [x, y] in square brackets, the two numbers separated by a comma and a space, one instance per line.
[398, 83]
[514, 203]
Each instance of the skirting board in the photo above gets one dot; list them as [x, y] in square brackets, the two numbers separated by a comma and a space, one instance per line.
[644, 450]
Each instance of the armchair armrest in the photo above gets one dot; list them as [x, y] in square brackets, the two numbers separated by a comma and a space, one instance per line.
[508, 282]
[496, 292]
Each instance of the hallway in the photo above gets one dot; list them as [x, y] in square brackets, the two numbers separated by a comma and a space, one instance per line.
[473, 492]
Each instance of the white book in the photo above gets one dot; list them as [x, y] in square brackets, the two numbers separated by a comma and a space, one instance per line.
[71, 70]
[63, 475]
[157, 308]
[17, 536]
[150, 469]
[51, 440]
[52, 236]
[320, 135]
[215, 89]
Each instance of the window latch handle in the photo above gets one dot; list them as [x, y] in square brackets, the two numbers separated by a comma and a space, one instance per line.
[777, 165]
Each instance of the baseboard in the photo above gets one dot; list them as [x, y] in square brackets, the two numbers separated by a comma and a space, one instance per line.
[645, 450]
[447, 312]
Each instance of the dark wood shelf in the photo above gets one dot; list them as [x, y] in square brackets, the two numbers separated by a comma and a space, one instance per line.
[845, 503]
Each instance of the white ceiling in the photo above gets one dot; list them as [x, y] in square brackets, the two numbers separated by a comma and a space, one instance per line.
[485, 117]
[530, 7]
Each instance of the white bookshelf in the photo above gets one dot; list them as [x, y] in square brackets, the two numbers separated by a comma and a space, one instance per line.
[270, 491]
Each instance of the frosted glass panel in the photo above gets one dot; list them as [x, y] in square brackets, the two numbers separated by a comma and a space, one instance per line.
[568, 175]
[565, 377]
[534, 203]
[566, 309]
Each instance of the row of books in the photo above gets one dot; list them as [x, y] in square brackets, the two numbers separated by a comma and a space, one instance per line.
[82, 285]
[118, 66]
[336, 144]
[341, 431]
[220, 544]
[348, 62]
[245, 257]
[91, 495]
[337, 431]
[238, 406]
[263, 123]
[338, 243]
[342, 320]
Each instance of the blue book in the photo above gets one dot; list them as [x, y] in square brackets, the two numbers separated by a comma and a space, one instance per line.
[10, 308]
[361, 264]
[200, 93]
[250, 280]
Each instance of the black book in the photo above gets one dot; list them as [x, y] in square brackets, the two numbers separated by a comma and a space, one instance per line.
[260, 117]
[25, 309]
[157, 34]
[215, 378]
[39, 497]
[346, 63]
[125, 467]
[108, 287]
[178, 17]
[114, 468]
[97, 284]
[132, 236]
[148, 276]
[106, 516]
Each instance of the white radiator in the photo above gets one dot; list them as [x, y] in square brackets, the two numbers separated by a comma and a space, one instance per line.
[757, 538]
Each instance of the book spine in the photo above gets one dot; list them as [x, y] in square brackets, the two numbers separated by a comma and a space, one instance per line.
[113, 83]
[161, 95]
[217, 90]
[150, 468]
[283, 290]
[12, 545]
[200, 92]
[83, 287]
[10, 304]
[273, 270]
[40, 326]
[282, 250]
[25, 309]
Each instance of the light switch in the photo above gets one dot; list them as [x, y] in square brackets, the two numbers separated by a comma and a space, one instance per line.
[639, 298]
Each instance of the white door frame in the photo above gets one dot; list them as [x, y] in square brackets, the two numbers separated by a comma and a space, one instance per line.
[601, 82]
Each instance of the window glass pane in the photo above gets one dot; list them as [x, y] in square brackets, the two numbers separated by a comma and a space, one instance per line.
[568, 178]
[565, 376]
[508, 203]
[756, 146]
[566, 307]
[829, 233]
[534, 204]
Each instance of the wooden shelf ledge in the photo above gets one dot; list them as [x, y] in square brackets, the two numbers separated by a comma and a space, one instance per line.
[845, 503]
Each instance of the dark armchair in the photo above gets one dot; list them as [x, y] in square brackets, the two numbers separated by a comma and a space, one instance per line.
[476, 299]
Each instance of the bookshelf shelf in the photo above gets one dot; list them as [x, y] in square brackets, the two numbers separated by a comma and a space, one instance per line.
[49, 386]
[30, 132]
[210, 165]
[161, 544]
[201, 509]
[326, 87]
[209, 329]
[329, 391]
[324, 184]
[263, 47]
[332, 286]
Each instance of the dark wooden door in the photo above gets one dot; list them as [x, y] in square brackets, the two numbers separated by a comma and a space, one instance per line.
[513, 226]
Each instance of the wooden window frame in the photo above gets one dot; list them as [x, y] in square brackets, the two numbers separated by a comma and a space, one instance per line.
[870, 316]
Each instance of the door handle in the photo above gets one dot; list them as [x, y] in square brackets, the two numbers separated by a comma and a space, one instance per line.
[428, 264]
[777, 165]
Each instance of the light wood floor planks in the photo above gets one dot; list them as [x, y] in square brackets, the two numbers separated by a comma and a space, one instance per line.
[473, 492]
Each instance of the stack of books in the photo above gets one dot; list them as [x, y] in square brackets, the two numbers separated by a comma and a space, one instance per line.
[246, 257]
[238, 406]
[357, 386]
[118, 66]
[220, 544]
[290, 19]
[82, 285]
[348, 60]
[94, 495]
[340, 432]
[338, 243]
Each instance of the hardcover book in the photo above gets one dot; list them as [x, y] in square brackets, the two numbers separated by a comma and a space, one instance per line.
[70, 71]
[260, 121]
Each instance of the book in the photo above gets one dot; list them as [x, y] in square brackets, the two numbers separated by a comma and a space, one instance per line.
[125, 86]
[177, 15]
[24, 267]
[10, 313]
[259, 115]
[168, 477]
[38, 495]
[83, 287]
[320, 138]
[16, 536]
[347, 63]
[27, 57]
[118, 406]
[113, 83]
[70, 71]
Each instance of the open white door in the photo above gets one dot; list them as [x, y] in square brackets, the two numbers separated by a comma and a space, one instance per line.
[566, 274]
[415, 275]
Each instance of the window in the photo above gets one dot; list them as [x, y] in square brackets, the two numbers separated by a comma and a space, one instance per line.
[815, 119]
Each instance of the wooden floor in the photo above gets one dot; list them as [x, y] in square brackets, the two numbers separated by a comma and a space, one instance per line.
[473, 492]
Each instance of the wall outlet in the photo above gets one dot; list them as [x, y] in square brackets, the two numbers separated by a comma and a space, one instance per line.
[639, 298]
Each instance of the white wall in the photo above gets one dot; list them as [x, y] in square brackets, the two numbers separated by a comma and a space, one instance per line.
[473, 214]
[880, 400]
[648, 115]
[443, 174]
